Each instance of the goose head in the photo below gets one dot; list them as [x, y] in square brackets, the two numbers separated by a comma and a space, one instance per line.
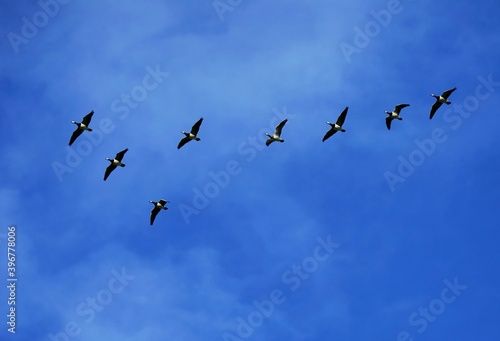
[74, 122]
[110, 160]
[387, 112]
[268, 135]
[330, 123]
[185, 133]
[433, 95]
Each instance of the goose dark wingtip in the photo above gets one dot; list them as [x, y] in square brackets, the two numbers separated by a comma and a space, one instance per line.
[183, 141]
[86, 120]
[388, 121]
[196, 127]
[152, 216]
[74, 136]
[342, 117]
[108, 171]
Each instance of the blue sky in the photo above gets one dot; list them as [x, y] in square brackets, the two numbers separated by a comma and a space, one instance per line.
[371, 235]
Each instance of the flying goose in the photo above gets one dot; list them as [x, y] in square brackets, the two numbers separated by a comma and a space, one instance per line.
[277, 134]
[336, 126]
[191, 135]
[81, 127]
[394, 114]
[440, 100]
[117, 161]
[159, 205]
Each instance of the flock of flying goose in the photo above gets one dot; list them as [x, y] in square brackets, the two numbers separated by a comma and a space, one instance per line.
[276, 136]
